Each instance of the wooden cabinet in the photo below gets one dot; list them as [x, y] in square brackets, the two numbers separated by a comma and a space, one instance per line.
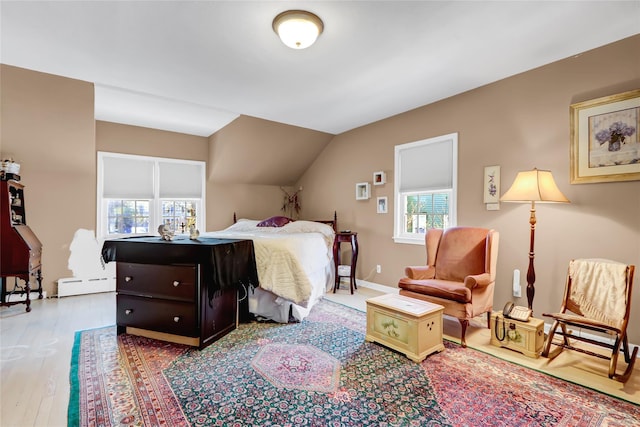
[169, 299]
[20, 249]
[408, 325]
[525, 337]
[181, 291]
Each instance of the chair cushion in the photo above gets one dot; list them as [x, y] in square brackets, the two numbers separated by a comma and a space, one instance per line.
[461, 253]
[455, 291]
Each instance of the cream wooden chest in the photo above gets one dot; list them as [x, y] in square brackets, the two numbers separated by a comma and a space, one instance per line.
[525, 337]
[407, 325]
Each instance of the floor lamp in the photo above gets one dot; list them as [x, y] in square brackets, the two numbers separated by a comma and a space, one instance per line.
[533, 186]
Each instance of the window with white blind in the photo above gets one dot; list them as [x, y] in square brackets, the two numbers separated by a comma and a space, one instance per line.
[136, 194]
[425, 187]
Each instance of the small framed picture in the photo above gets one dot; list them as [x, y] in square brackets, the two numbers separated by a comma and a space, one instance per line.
[363, 191]
[492, 184]
[379, 178]
[382, 205]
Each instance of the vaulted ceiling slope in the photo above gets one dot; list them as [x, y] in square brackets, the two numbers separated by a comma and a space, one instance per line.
[193, 67]
[256, 151]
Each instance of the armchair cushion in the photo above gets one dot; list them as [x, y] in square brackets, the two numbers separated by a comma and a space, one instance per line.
[455, 291]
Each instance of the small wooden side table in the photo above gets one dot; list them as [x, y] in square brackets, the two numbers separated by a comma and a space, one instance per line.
[345, 237]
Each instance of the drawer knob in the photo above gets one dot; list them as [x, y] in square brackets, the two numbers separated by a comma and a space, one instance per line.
[128, 311]
[176, 319]
[176, 283]
[128, 278]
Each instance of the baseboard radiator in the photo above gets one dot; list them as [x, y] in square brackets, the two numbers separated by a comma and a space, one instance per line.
[76, 286]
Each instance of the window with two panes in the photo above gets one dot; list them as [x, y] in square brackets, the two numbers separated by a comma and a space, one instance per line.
[136, 194]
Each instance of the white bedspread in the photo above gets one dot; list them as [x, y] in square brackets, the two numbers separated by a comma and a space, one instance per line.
[294, 261]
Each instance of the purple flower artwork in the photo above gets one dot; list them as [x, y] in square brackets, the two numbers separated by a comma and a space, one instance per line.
[492, 188]
[615, 135]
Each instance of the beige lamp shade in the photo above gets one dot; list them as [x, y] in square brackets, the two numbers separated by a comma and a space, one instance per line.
[297, 29]
[534, 186]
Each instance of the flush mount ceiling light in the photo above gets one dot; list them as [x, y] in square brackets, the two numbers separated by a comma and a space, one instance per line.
[297, 29]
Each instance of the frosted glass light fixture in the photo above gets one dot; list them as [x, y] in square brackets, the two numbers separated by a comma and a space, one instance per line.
[297, 29]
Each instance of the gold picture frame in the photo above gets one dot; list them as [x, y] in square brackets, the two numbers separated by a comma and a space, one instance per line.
[605, 141]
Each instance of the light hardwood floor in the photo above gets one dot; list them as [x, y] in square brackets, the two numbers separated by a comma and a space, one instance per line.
[35, 354]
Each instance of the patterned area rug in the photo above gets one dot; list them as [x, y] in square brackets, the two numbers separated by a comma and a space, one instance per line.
[316, 373]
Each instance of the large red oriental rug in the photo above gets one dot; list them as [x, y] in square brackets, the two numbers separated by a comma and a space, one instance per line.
[319, 372]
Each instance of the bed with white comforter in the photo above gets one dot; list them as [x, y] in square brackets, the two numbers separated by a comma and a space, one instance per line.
[294, 264]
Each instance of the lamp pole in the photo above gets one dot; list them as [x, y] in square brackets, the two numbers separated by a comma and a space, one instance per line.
[531, 273]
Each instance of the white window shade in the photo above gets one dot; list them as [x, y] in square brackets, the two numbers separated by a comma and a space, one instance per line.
[127, 178]
[181, 180]
[426, 167]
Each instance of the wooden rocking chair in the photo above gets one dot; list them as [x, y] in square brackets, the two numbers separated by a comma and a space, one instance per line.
[597, 297]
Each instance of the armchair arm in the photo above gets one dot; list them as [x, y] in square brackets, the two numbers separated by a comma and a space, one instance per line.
[475, 280]
[421, 272]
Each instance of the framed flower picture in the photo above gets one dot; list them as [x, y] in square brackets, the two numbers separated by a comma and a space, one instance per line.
[491, 184]
[605, 145]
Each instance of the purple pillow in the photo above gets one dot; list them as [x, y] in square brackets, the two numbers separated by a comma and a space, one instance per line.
[275, 221]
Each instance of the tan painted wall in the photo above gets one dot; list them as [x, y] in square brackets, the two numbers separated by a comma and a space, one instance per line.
[117, 138]
[249, 160]
[48, 126]
[246, 200]
[518, 123]
[256, 151]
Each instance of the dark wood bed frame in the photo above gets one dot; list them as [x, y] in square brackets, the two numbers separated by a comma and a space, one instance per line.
[332, 222]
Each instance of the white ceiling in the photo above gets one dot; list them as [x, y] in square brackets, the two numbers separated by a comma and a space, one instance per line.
[194, 66]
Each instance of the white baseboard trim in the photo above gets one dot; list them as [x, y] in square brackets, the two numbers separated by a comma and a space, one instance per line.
[389, 290]
[377, 287]
[579, 332]
[75, 286]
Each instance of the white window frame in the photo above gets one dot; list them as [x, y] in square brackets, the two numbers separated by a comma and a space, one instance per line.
[399, 236]
[155, 203]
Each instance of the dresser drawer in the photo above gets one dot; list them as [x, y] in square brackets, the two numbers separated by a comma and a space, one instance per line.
[177, 282]
[173, 317]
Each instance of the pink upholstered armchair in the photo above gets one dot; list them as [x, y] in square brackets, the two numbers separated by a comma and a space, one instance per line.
[460, 273]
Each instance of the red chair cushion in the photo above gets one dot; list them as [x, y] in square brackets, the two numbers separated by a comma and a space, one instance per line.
[455, 291]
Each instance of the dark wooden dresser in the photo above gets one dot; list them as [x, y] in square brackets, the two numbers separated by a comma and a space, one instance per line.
[20, 249]
[184, 290]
